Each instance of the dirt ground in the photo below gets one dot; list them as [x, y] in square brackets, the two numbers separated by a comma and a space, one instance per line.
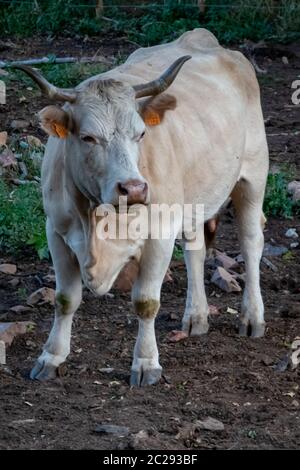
[219, 375]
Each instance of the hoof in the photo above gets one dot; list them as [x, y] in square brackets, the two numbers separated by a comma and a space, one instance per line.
[43, 372]
[140, 378]
[199, 329]
[254, 331]
[195, 327]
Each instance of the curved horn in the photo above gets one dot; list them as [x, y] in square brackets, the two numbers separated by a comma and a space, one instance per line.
[163, 82]
[54, 93]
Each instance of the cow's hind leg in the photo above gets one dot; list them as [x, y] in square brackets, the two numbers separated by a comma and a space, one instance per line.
[68, 298]
[248, 202]
[195, 317]
[156, 257]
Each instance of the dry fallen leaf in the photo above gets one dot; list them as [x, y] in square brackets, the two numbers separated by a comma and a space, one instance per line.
[177, 335]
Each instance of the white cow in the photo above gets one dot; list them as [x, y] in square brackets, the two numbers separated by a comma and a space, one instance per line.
[202, 142]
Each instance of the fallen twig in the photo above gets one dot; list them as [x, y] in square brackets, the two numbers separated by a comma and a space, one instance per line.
[57, 60]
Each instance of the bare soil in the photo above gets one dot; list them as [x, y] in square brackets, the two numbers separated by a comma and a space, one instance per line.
[219, 375]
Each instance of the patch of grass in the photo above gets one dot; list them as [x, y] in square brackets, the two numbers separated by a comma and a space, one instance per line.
[160, 21]
[178, 253]
[277, 200]
[62, 75]
[22, 219]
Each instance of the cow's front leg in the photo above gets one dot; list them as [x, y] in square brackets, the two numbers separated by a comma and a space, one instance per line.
[195, 319]
[146, 369]
[68, 298]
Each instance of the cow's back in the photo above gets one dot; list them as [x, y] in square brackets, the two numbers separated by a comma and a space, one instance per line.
[199, 148]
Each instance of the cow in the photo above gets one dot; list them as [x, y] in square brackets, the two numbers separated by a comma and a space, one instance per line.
[120, 134]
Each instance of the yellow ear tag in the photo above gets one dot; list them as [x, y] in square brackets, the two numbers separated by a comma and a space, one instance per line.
[61, 131]
[151, 118]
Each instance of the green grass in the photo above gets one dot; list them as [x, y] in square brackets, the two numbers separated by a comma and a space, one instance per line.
[230, 20]
[62, 75]
[278, 202]
[22, 219]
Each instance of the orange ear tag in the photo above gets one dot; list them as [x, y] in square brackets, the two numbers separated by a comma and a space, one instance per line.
[151, 118]
[61, 131]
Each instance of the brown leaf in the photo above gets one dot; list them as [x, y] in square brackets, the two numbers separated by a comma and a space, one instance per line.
[177, 335]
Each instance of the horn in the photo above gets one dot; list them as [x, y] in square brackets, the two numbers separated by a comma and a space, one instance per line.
[163, 82]
[53, 92]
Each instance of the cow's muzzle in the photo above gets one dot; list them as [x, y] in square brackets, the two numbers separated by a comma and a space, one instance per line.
[135, 191]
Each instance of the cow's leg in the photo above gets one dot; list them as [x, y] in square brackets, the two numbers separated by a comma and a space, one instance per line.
[195, 321]
[248, 203]
[155, 260]
[68, 298]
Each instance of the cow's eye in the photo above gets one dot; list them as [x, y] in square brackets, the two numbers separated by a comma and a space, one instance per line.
[89, 139]
[140, 136]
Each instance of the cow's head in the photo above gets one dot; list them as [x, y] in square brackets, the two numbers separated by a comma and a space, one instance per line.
[102, 123]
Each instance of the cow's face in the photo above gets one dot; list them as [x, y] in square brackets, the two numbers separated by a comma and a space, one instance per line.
[103, 130]
[102, 124]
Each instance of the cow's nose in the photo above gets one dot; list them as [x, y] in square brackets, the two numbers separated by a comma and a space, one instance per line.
[136, 191]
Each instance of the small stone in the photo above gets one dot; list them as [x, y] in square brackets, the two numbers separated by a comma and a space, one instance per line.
[291, 233]
[294, 189]
[273, 250]
[14, 282]
[267, 361]
[285, 60]
[34, 141]
[294, 245]
[19, 124]
[225, 280]
[9, 330]
[42, 296]
[232, 311]
[210, 424]
[7, 268]
[225, 261]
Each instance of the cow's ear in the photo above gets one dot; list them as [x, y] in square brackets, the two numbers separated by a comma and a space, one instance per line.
[153, 109]
[55, 121]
